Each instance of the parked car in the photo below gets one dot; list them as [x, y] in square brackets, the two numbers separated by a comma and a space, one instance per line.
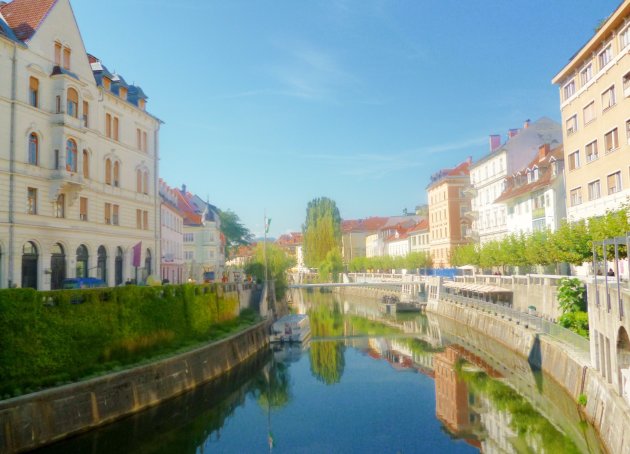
[82, 282]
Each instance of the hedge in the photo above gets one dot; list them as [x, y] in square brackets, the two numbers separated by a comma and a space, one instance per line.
[49, 338]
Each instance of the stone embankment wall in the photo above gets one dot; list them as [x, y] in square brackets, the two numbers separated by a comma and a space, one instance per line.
[366, 292]
[33, 420]
[605, 409]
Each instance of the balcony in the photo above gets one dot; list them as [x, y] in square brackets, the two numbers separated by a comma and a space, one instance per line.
[471, 234]
[470, 191]
[67, 182]
[472, 215]
[538, 213]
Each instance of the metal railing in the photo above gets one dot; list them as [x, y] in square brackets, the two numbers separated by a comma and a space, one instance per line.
[575, 343]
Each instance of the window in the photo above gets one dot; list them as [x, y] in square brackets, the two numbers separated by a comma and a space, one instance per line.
[593, 190]
[33, 149]
[624, 37]
[138, 219]
[115, 218]
[73, 103]
[107, 83]
[57, 53]
[83, 208]
[108, 126]
[574, 160]
[60, 206]
[576, 196]
[108, 171]
[115, 134]
[569, 89]
[144, 141]
[86, 114]
[145, 182]
[608, 98]
[535, 174]
[571, 125]
[71, 155]
[117, 174]
[628, 131]
[614, 183]
[108, 213]
[66, 58]
[611, 141]
[31, 201]
[605, 56]
[33, 92]
[189, 237]
[586, 74]
[188, 255]
[141, 103]
[123, 93]
[86, 164]
[589, 113]
[58, 104]
[626, 85]
[138, 139]
[591, 151]
[139, 181]
[145, 220]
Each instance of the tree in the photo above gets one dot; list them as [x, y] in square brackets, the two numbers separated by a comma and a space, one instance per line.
[322, 230]
[331, 267]
[236, 234]
[278, 262]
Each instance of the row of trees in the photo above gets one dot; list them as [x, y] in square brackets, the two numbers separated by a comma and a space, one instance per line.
[571, 243]
[412, 260]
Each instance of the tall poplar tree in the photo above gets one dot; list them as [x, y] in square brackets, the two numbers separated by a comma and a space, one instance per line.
[322, 230]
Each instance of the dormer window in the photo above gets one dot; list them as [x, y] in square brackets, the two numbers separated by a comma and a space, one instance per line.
[66, 58]
[123, 93]
[58, 53]
[535, 174]
[141, 104]
[107, 84]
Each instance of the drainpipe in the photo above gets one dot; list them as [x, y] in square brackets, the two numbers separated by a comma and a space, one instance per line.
[11, 276]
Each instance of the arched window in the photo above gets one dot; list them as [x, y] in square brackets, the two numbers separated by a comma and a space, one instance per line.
[108, 171]
[30, 257]
[73, 103]
[82, 261]
[101, 264]
[71, 155]
[33, 149]
[86, 164]
[117, 174]
[118, 267]
[57, 266]
[145, 182]
[33, 92]
[138, 181]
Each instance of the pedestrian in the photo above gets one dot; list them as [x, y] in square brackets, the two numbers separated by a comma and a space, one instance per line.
[610, 272]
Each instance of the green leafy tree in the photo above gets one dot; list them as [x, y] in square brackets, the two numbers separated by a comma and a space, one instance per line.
[278, 262]
[330, 268]
[322, 230]
[573, 242]
[236, 234]
[465, 254]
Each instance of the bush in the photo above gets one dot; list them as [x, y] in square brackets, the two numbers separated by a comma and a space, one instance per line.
[57, 336]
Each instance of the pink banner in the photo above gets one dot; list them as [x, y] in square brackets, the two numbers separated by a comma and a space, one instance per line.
[137, 254]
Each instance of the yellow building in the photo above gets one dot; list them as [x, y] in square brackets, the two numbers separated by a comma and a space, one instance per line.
[595, 104]
[447, 205]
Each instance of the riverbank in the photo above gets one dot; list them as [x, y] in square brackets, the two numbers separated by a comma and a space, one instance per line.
[605, 410]
[40, 418]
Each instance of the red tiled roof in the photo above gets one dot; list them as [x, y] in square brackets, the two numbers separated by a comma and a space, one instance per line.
[513, 190]
[188, 211]
[25, 16]
[370, 224]
[419, 227]
[290, 239]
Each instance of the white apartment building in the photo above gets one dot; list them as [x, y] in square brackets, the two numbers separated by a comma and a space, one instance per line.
[172, 267]
[204, 246]
[595, 104]
[489, 218]
[419, 237]
[78, 157]
[535, 195]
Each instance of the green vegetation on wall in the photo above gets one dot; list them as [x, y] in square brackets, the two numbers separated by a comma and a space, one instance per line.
[571, 243]
[53, 337]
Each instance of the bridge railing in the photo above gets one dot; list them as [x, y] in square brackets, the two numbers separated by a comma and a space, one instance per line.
[385, 277]
[577, 344]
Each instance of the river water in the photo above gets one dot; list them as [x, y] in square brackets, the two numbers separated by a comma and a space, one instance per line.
[366, 383]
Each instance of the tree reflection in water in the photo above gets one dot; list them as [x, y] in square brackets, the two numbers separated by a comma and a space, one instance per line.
[327, 357]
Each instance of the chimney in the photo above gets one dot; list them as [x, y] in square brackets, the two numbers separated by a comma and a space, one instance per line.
[543, 151]
[495, 142]
[526, 124]
[183, 189]
[512, 132]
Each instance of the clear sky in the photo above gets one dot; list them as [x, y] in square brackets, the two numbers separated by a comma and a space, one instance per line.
[269, 104]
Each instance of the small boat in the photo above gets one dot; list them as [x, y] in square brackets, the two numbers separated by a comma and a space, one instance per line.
[291, 328]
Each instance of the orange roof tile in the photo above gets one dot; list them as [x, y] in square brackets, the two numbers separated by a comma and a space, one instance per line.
[25, 16]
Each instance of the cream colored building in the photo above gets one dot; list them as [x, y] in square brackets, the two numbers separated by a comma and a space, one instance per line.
[172, 266]
[78, 157]
[595, 104]
[448, 204]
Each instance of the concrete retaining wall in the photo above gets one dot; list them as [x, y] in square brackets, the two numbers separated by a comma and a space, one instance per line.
[30, 421]
[605, 410]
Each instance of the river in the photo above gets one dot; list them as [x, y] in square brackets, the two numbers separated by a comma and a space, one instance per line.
[366, 383]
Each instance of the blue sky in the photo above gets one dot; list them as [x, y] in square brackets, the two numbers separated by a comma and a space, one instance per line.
[269, 104]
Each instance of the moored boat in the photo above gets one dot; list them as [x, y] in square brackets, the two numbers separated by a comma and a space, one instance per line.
[291, 328]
